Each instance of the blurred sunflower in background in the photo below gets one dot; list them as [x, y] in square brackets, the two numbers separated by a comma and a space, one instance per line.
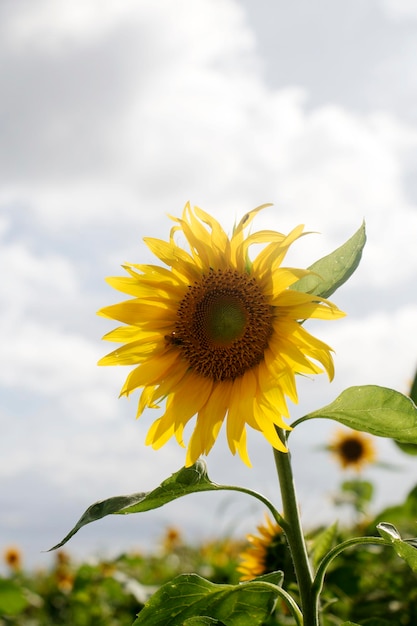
[352, 449]
[267, 552]
[216, 334]
[13, 558]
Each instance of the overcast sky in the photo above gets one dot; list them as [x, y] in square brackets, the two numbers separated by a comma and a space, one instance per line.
[113, 114]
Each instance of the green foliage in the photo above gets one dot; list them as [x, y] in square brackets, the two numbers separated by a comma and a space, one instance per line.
[12, 597]
[190, 595]
[376, 410]
[356, 492]
[112, 592]
[333, 270]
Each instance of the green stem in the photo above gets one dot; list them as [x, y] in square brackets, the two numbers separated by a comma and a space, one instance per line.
[275, 514]
[295, 537]
[334, 552]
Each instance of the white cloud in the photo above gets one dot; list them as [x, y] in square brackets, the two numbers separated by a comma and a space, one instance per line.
[400, 9]
[46, 25]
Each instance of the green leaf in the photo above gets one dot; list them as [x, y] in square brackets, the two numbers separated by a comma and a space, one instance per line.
[359, 493]
[404, 550]
[190, 596]
[410, 448]
[333, 270]
[203, 621]
[275, 578]
[323, 542]
[372, 409]
[187, 480]
[12, 598]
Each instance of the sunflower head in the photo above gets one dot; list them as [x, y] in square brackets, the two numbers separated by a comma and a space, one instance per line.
[267, 552]
[215, 334]
[13, 558]
[171, 540]
[352, 449]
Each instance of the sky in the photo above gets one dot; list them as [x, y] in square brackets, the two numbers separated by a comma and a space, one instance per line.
[113, 115]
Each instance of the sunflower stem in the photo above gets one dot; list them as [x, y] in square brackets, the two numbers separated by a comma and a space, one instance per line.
[295, 537]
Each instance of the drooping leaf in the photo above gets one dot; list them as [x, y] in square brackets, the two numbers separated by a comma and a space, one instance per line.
[189, 596]
[333, 270]
[405, 550]
[187, 480]
[376, 410]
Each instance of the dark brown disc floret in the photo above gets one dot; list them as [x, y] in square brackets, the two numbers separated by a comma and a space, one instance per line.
[223, 324]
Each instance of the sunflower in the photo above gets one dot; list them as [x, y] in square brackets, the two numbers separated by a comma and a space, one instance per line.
[13, 558]
[216, 334]
[268, 552]
[352, 449]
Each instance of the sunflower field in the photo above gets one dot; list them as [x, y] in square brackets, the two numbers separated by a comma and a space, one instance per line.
[365, 586]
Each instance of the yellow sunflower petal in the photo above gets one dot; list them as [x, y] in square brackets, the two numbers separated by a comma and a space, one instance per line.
[159, 433]
[242, 396]
[209, 421]
[132, 353]
[134, 311]
[150, 372]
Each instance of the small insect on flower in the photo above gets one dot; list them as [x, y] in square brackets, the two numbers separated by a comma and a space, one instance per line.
[216, 335]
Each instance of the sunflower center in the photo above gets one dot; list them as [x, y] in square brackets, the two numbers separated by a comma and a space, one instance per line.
[352, 450]
[225, 318]
[223, 325]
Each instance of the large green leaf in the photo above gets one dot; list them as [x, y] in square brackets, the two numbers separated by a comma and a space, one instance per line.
[333, 270]
[372, 409]
[404, 550]
[186, 481]
[190, 596]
